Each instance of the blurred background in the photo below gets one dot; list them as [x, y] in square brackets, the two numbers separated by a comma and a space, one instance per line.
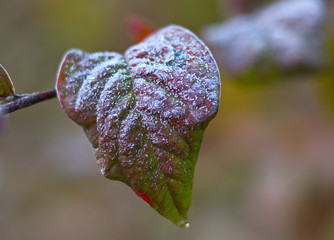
[266, 166]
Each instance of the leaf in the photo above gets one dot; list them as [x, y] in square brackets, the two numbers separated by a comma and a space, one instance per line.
[145, 113]
[6, 85]
[139, 28]
[285, 36]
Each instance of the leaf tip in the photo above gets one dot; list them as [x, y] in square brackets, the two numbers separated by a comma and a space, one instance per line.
[183, 224]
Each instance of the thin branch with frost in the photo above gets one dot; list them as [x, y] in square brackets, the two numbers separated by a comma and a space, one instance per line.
[26, 100]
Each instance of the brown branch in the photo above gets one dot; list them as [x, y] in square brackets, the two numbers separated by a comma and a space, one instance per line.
[26, 100]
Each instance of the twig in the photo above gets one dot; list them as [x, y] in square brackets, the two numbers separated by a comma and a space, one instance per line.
[26, 100]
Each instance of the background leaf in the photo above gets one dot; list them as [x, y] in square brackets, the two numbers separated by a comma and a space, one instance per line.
[145, 113]
[282, 38]
[6, 85]
[139, 28]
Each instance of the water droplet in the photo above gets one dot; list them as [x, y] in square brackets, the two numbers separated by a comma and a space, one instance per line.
[187, 225]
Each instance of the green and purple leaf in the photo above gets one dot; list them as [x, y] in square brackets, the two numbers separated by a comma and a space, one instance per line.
[145, 113]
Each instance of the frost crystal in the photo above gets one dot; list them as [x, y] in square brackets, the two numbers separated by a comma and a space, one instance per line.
[145, 113]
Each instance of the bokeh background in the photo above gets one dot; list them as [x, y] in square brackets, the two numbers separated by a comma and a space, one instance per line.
[266, 166]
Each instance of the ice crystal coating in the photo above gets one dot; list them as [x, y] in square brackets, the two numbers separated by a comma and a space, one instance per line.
[145, 113]
[289, 32]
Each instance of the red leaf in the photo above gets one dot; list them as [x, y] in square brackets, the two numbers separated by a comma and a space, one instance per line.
[145, 113]
[139, 28]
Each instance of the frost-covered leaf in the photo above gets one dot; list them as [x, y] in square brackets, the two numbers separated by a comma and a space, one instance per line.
[145, 113]
[294, 31]
[6, 85]
[288, 33]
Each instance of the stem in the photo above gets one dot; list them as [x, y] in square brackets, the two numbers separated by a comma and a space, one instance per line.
[26, 100]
